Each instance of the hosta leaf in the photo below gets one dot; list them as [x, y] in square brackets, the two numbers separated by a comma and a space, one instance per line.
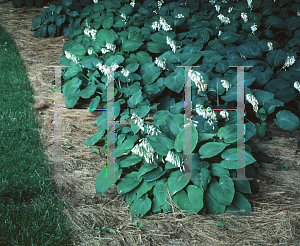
[240, 203]
[102, 182]
[176, 182]
[52, 30]
[201, 176]
[135, 99]
[211, 149]
[88, 91]
[287, 120]
[144, 187]
[250, 50]
[228, 133]
[190, 201]
[189, 59]
[94, 102]
[160, 192]
[71, 86]
[60, 19]
[114, 59]
[72, 71]
[222, 191]
[154, 174]
[212, 57]
[241, 185]
[230, 159]
[36, 22]
[228, 37]
[160, 144]
[130, 160]
[96, 137]
[108, 22]
[143, 57]
[212, 205]
[182, 144]
[154, 47]
[276, 57]
[71, 100]
[218, 171]
[124, 148]
[129, 182]
[140, 206]
[175, 81]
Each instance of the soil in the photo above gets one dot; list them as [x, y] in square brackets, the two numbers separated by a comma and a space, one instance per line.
[275, 219]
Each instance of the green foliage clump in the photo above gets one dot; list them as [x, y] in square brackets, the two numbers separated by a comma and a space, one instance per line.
[151, 40]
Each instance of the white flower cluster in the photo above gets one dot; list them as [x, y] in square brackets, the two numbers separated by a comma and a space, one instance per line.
[106, 69]
[198, 80]
[226, 84]
[109, 48]
[90, 32]
[224, 19]
[244, 17]
[270, 45]
[298, 13]
[71, 57]
[175, 160]
[132, 3]
[172, 44]
[144, 149]
[289, 61]
[124, 17]
[253, 28]
[125, 72]
[151, 130]
[225, 114]
[251, 99]
[179, 16]
[160, 63]
[159, 4]
[217, 7]
[161, 24]
[297, 85]
[230, 9]
[219, 32]
[207, 114]
[95, 1]
[250, 4]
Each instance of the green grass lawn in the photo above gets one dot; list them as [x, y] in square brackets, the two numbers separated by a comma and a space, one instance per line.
[30, 214]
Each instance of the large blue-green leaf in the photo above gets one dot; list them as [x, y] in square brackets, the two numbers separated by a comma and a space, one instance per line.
[129, 182]
[176, 182]
[228, 37]
[190, 201]
[140, 206]
[276, 57]
[189, 58]
[182, 144]
[71, 86]
[211, 149]
[222, 191]
[287, 120]
[102, 182]
[228, 133]
[154, 47]
[160, 144]
[240, 203]
[175, 81]
[212, 205]
[88, 91]
[230, 159]
[250, 50]
[124, 148]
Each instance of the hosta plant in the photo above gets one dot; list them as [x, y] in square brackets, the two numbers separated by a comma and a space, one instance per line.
[151, 40]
